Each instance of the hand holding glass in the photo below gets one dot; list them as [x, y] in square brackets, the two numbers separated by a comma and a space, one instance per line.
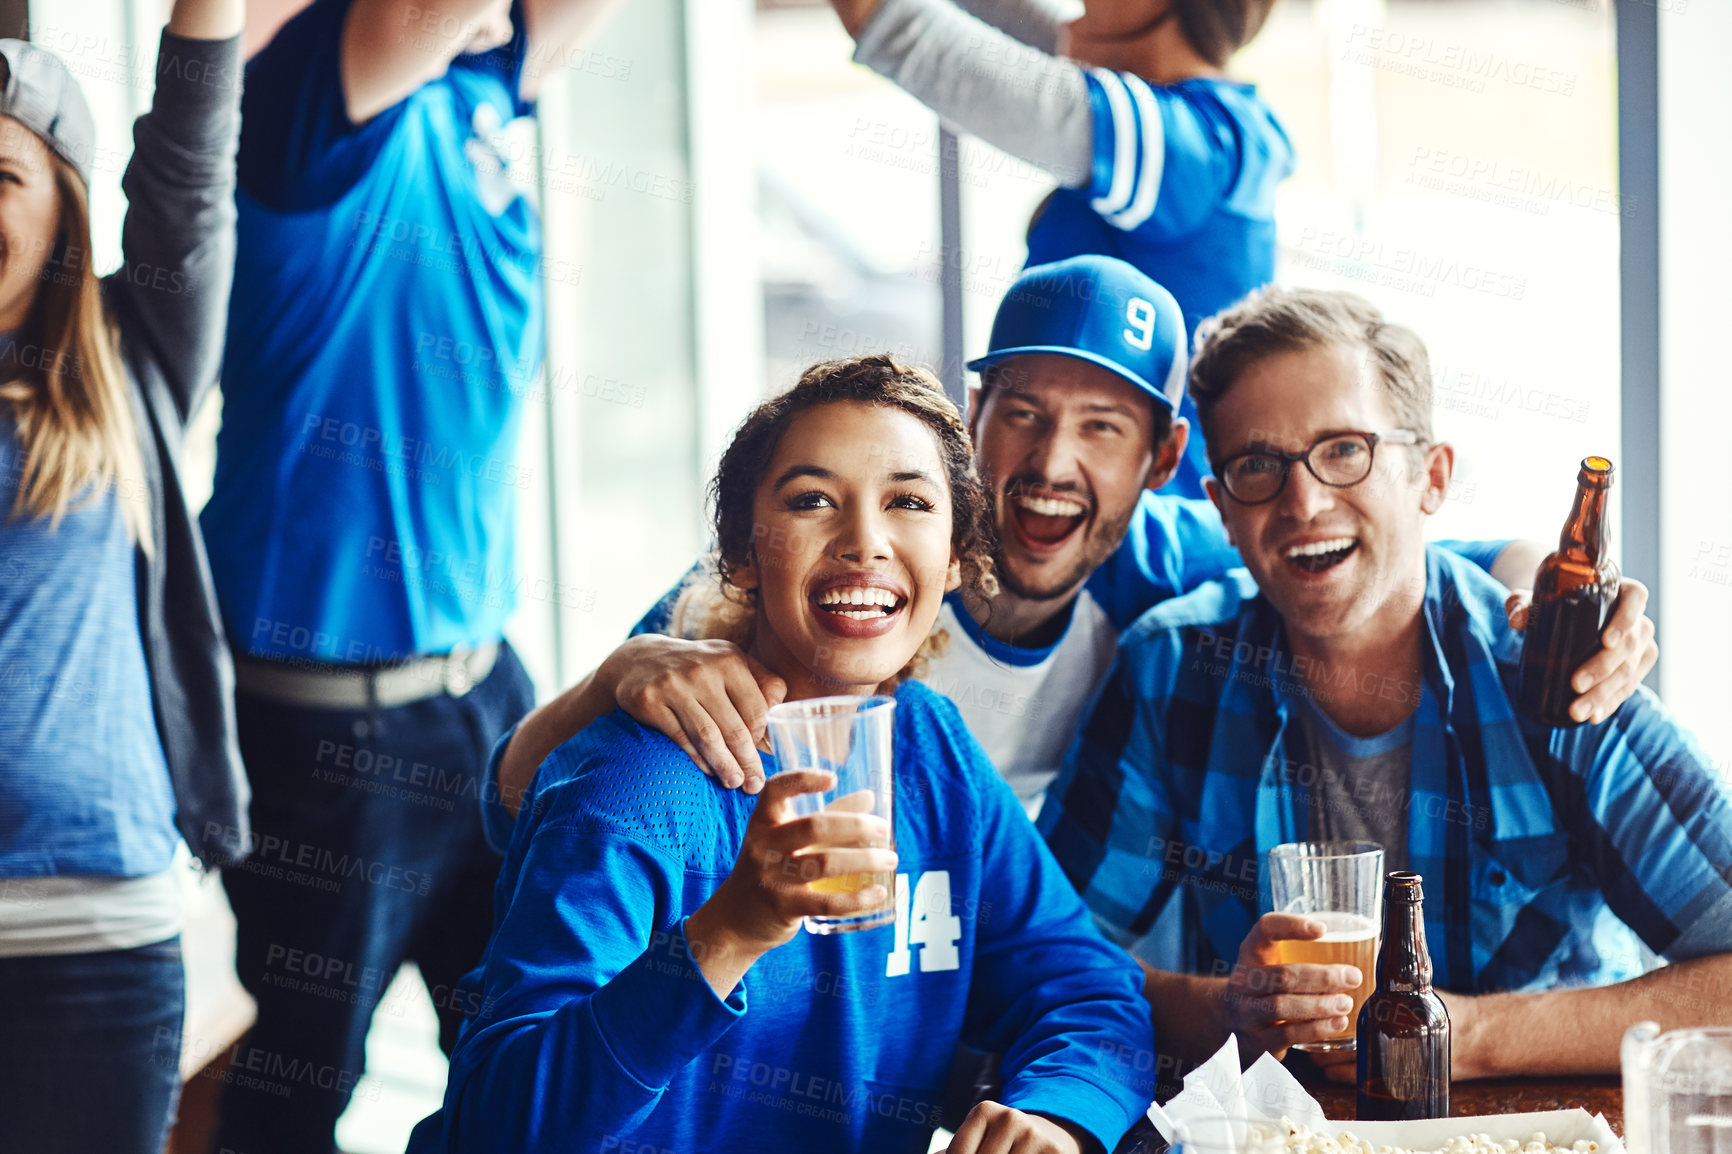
[851, 737]
[1339, 883]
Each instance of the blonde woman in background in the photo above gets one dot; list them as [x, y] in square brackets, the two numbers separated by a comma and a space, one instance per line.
[116, 715]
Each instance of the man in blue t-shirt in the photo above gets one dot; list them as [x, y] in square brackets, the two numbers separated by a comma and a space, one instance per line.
[1161, 159]
[386, 324]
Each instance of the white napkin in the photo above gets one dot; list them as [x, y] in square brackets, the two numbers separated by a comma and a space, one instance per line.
[1271, 1093]
[1199, 1105]
[1217, 1092]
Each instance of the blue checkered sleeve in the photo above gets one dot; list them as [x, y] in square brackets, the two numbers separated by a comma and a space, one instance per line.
[1651, 820]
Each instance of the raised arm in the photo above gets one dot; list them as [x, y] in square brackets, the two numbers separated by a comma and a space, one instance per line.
[170, 297]
[556, 28]
[390, 48]
[1029, 102]
[1037, 23]
[207, 19]
[708, 696]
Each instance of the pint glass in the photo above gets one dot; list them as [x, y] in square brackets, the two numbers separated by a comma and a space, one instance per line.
[1339, 883]
[852, 737]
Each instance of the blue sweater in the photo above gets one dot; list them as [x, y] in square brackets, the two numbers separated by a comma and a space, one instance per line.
[84, 786]
[594, 1028]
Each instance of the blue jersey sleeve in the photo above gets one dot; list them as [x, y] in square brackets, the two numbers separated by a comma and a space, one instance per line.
[1173, 545]
[1481, 553]
[299, 150]
[589, 1000]
[1166, 157]
[1064, 1005]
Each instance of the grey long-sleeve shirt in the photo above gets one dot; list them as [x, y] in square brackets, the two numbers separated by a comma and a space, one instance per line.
[1012, 91]
[169, 300]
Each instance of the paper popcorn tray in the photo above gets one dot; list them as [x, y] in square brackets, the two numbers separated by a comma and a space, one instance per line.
[1217, 1091]
[1561, 1128]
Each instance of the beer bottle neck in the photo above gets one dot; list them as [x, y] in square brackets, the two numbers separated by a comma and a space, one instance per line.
[1404, 963]
[1585, 531]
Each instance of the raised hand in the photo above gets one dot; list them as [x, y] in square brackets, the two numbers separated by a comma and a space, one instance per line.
[1608, 678]
[710, 697]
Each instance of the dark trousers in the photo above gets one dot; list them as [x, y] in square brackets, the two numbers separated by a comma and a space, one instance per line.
[90, 1050]
[367, 852]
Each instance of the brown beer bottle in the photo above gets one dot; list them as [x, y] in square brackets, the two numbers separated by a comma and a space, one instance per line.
[1573, 594]
[1403, 1036]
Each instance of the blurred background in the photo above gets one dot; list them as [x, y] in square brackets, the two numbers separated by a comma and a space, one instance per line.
[1536, 186]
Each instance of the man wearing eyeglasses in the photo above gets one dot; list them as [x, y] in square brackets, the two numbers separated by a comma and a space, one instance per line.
[1358, 684]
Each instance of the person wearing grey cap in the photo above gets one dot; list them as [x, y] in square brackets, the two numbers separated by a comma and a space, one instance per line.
[117, 735]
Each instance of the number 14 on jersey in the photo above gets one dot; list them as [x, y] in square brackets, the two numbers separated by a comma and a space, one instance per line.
[924, 919]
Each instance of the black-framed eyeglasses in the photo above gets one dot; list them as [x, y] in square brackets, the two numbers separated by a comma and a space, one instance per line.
[1340, 460]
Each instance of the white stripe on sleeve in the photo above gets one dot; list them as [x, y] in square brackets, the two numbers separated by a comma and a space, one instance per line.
[1154, 156]
[1124, 143]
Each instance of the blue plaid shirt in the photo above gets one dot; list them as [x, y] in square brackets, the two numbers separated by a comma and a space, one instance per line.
[1546, 852]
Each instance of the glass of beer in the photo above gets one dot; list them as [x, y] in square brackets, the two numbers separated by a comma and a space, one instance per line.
[851, 737]
[1339, 883]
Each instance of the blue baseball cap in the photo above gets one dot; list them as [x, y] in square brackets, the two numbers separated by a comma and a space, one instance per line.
[1097, 309]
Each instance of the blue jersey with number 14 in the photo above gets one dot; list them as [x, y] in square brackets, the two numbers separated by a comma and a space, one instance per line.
[594, 1030]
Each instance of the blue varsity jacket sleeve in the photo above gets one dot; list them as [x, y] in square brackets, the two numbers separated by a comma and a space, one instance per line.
[590, 1011]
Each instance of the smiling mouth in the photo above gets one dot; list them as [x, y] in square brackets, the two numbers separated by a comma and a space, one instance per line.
[1320, 556]
[1046, 520]
[859, 602]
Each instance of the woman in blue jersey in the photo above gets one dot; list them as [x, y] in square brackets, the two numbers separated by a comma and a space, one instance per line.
[647, 982]
[115, 721]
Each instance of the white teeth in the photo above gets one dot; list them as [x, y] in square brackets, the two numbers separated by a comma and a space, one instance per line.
[1052, 506]
[1333, 545]
[859, 595]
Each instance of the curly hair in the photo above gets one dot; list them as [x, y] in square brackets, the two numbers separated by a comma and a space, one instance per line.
[712, 605]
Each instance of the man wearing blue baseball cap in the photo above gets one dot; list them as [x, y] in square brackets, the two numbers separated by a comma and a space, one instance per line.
[1074, 428]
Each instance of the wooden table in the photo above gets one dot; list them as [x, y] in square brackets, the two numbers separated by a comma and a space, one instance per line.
[1501, 1096]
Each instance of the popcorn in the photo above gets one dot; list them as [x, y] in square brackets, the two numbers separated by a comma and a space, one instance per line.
[1302, 1139]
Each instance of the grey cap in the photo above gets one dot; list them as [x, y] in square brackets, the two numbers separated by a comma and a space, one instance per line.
[40, 93]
